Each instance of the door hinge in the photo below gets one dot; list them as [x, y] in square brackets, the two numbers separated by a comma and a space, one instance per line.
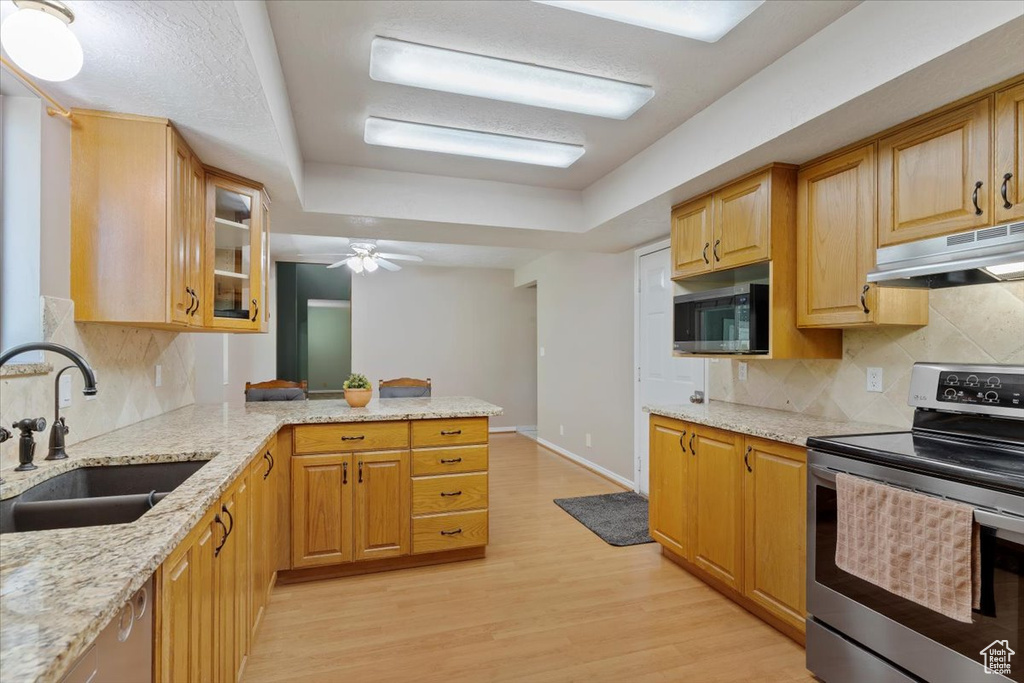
[638, 373]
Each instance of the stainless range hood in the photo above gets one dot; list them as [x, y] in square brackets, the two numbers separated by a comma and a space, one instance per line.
[977, 257]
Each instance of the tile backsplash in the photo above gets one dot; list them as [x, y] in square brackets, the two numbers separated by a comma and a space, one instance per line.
[977, 324]
[124, 358]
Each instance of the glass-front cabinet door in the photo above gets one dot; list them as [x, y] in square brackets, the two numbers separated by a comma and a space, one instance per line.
[234, 258]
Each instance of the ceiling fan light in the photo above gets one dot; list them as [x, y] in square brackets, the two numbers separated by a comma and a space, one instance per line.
[355, 263]
[38, 40]
[369, 264]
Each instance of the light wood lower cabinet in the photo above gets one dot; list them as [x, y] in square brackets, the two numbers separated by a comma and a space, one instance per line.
[670, 485]
[732, 510]
[212, 588]
[775, 502]
[718, 506]
[321, 510]
[382, 494]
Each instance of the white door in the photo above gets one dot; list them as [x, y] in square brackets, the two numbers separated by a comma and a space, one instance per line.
[662, 377]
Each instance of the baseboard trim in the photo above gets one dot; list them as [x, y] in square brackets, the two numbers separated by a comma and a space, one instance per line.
[502, 430]
[587, 464]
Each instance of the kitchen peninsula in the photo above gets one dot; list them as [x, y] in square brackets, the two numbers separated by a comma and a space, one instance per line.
[62, 587]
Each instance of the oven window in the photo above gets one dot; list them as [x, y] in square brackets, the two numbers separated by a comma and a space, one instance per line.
[1002, 592]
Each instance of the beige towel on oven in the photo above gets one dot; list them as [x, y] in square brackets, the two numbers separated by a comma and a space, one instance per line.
[921, 548]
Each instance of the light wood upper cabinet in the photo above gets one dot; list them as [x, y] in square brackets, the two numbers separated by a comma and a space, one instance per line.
[322, 509]
[265, 252]
[836, 236]
[1008, 173]
[742, 227]
[382, 505]
[718, 505]
[929, 175]
[691, 238]
[775, 506]
[140, 240]
[670, 485]
[233, 262]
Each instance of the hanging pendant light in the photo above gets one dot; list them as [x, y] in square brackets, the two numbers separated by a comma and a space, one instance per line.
[369, 264]
[38, 39]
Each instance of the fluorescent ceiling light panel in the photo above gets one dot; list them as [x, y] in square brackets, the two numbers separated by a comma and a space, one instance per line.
[471, 143]
[434, 68]
[706, 20]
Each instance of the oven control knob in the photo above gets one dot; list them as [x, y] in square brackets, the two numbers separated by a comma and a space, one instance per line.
[993, 383]
[952, 380]
[950, 393]
[972, 381]
[991, 397]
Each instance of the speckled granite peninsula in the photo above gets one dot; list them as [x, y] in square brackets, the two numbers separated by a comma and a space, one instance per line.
[60, 588]
[777, 425]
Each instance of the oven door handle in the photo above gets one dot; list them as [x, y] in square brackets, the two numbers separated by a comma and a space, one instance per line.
[1006, 527]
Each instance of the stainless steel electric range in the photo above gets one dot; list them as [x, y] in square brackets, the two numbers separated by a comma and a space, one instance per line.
[967, 444]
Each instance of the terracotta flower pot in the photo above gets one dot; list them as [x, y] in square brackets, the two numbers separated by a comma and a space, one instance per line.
[358, 398]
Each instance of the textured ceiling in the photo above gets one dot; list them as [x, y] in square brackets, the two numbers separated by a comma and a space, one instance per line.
[324, 49]
[289, 248]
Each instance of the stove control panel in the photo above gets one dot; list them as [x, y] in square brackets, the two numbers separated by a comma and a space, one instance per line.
[979, 389]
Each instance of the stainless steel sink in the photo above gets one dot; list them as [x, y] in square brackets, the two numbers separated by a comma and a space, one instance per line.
[91, 496]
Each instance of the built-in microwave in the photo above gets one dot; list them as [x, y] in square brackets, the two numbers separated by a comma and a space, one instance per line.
[730, 320]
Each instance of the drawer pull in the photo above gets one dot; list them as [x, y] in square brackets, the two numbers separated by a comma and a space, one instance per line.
[353, 438]
[344, 473]
[450, 461]
[450, 432]
[450, 493]
[453, 532]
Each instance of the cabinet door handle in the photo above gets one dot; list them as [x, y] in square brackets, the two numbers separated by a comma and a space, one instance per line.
[974, 198]
[195, 309]
[191, 300]
[692, 451]
[705, 253]
[453, 532]
[353, 438]
[270, 465]
[450, 493]
[256, 312]
[1007, 204]
[863, 298]
[681, 437]
[450, 432]
[344, 473]
[746, 460]
[231, 518]
[273, 462]
[360, 471]
[216, 551]
[715, 250]
[450, 461]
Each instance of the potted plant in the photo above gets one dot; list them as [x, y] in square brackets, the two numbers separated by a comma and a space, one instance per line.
[358, 391]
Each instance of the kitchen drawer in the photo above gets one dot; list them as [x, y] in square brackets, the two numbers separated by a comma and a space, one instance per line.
[351, 436]
[449, 493]
[449, 532]
[450, 432]
[449, 460]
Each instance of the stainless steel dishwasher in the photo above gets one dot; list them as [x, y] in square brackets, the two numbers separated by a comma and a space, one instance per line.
[123, 651]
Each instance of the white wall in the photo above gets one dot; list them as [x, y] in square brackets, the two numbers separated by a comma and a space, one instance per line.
[585, 378]
[468, 329]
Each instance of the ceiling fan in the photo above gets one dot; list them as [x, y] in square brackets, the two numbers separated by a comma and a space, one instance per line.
[364, 257]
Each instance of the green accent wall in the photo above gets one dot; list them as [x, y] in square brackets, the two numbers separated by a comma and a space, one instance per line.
[330, 347]
[297, 283]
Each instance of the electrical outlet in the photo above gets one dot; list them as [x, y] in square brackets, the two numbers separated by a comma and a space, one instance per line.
[875, 380]
[159, 375]
[743, 371]
[589, 444]
[561, 430]
[64, 390]
[542, 352]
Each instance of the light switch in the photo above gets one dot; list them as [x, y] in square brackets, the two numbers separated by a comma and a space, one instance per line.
[542, 352]
[589, 444]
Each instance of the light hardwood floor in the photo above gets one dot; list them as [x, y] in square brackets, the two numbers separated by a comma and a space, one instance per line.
[550, 602]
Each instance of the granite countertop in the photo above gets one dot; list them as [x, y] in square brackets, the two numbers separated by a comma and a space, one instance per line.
[777, 425]
[60, 588]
